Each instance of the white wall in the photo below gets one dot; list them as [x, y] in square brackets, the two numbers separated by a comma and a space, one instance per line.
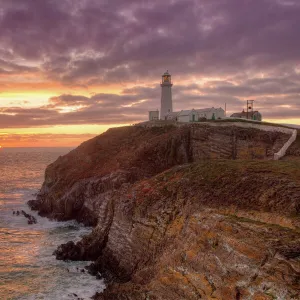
[166, 100]
[153, 115]
[286, 146]
[202, 114]
[219, 113]
[183, 118]
[193, 113]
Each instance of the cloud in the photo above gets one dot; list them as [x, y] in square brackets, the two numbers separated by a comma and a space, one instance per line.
[9, 68]
[133, 104]
[218, 51]
[65, 100]
[110, 41]
[45, 140]
[254, 87]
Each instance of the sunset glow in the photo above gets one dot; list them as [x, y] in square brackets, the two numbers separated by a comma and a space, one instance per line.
[67, 74]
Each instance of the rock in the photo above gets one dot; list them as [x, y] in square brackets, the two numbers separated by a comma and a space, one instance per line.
[92, 269]
[173, 219]
[77, 183]
[291, 251]
[31, 219]
[34, 204]
[68, 251]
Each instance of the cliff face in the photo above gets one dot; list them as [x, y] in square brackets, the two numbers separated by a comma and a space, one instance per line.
[172, 221]
[294, 150]
[222, 230]
[76, 183]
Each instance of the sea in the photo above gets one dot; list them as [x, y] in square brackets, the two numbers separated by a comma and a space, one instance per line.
[28, 270]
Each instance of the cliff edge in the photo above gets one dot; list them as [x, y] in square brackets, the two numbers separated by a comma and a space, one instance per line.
[190, 212]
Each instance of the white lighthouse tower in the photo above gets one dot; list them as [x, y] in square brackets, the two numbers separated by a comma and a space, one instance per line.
[166, 95]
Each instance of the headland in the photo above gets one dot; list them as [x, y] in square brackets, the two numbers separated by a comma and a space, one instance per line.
[196, 211]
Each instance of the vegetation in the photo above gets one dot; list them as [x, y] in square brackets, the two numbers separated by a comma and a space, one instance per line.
[239, 120]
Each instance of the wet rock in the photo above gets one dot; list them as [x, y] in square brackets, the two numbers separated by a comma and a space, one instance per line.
[68, 251]
[31, 219]
[34, 204]
[92, 269]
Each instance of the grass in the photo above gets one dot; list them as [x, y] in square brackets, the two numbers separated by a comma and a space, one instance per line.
[270, 295]
[238, 219]
[266, 186]
[215, 170]
[233, 120]
[297, 142]
[244, 220]
[229, 120]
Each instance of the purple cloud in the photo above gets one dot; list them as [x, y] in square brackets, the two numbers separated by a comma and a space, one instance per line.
[133, 104]
[222, 50]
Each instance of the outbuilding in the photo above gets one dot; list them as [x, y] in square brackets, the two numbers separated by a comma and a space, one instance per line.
[255, 115]
[153, 115]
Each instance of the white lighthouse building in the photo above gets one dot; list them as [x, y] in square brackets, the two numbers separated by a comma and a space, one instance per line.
[184, 116]
[166, 106]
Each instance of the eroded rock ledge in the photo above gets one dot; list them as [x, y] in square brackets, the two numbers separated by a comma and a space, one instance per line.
[172, 224]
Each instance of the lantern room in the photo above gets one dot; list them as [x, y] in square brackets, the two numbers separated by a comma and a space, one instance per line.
[166, 78]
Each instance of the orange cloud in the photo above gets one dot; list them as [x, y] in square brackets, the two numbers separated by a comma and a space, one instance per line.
[43, 140]
[56, 136]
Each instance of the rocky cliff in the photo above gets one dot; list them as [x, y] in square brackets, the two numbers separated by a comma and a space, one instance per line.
[192, 212]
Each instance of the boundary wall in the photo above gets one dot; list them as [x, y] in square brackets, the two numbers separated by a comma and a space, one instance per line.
[286, 146]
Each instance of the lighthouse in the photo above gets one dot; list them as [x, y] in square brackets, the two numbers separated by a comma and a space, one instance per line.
[185, 115]
[166, 96]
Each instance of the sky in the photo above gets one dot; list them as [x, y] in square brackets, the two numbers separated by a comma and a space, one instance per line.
[71, 69]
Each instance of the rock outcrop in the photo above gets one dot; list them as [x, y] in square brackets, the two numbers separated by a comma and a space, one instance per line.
[77, 183]
[180, 214]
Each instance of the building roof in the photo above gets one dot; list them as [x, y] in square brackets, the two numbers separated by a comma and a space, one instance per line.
[208, 109]
[243, 114]
[173, 114]
[185, 112]
[188, 112]
[203, 109]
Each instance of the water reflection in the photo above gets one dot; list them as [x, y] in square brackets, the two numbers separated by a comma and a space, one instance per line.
[28, 270]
